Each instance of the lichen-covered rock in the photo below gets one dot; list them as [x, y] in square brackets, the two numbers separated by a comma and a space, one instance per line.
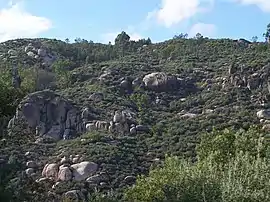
[49, 114]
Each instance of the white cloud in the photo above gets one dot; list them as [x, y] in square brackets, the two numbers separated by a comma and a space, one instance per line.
[15, 22]
[264, 5]
[208, 30]
[173, 12]
[111, 36]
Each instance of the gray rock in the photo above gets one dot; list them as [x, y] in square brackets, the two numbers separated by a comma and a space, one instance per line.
[263, 114]
[96, 97]
[83, 170]
[103, 184]
[41, 52]
[12, 52]
[31, 54]
[142, 128]
[64, 174]
[50, 171]
[95, 179]
[29, 171]
[85, 113]
[11, 123]
[129, 179]
[160, 81]
[125, 84]
[137, 82]
[133, 131]
[73, 195]
[31, 164]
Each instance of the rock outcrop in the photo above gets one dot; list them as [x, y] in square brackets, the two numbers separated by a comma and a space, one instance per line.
[160, 81]
[50, 171]
[83, 170]
[40, 53]
[123, 123]
[48, 114]
[66, 172]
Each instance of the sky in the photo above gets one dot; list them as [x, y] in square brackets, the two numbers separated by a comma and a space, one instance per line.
[102, 20]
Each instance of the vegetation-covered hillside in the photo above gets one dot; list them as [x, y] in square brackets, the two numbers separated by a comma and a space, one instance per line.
[171, 94]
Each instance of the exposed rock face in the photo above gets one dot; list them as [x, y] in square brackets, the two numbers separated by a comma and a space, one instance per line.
[123, 123]
[160, 81]
[50, 115]
[38, 52]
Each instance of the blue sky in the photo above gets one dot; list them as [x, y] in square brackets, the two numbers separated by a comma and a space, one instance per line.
[102, 20]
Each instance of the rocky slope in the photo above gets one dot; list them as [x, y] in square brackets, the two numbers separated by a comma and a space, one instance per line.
[128, 109]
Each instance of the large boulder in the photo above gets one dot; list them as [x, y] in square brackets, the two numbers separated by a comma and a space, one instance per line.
[83, 170]
[64, 174]
[49, 114]
[50, 171]
[160, 81]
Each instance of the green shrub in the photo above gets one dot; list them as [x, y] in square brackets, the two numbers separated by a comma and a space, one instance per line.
[223, 145]
[240, 174]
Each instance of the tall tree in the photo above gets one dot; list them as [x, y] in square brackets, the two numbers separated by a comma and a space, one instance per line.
[267, 33]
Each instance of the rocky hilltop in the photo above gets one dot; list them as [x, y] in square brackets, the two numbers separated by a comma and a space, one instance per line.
[85, 117]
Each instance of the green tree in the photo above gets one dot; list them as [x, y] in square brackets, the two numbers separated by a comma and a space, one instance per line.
[142, 103]
[198, 36]
[224, 145]
[61, 69]
[243, 176]
[122, 42]
[267, 33]
[254, 39]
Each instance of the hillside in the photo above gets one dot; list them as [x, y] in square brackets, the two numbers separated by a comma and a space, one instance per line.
[168, 94]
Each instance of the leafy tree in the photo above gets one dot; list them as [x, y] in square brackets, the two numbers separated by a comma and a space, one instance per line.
[224, 145]
[198, 36]
[9, 96]
[254, 39]
[122, 38]
[142, 103]
[244, 176]
[181, 36]
[267, 33]
[61, 68]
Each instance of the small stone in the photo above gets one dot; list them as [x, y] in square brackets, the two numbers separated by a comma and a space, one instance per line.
[29, 171]
[31, 164]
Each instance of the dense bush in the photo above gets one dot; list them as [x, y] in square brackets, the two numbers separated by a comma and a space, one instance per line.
[244, 176]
